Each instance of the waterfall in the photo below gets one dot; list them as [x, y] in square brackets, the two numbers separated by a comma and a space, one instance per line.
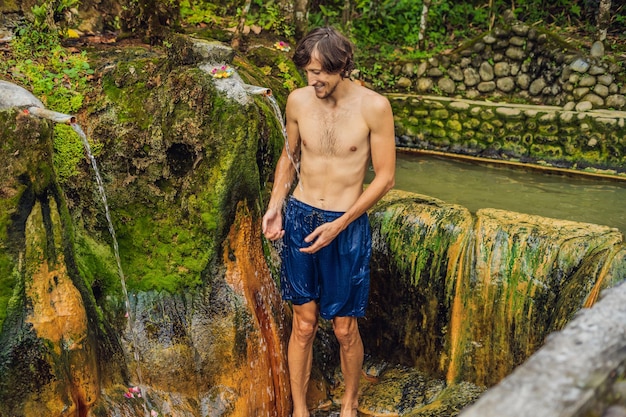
[107, 213]
[71, 120]
[138, 389]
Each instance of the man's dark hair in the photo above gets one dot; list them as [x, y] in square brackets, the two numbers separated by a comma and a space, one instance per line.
[334, 51]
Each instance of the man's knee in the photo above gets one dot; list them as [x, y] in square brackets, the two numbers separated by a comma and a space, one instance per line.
[346, 330]
[305, 324]
[304, 329]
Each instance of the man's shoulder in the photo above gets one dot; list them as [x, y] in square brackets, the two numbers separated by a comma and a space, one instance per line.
[370, 93]
[372, 99]
[301, 92]
[297, 101]
[300, 96]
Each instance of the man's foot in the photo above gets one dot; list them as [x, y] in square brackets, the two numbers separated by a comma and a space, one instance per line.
[349, 412]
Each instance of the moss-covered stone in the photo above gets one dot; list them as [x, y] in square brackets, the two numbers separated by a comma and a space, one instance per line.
[493, 276]
[176, 158]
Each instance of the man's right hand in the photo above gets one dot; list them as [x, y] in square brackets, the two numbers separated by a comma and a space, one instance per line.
[273, 224]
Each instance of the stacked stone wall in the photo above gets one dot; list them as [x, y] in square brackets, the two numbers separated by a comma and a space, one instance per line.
[592, 140]
[516, 62]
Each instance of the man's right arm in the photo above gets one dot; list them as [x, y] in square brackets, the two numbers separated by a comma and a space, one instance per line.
[284, 175]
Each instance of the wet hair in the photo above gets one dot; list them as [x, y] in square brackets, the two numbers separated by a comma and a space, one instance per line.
[333, 49]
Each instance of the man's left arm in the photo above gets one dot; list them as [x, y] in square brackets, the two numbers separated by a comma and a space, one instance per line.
[379, 117]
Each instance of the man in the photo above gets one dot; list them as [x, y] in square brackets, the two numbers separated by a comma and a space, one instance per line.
[334, 128]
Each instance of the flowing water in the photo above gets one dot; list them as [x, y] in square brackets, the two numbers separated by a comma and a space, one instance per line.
[116, 252]
[107, 213]
[477, 185]
[281, 120]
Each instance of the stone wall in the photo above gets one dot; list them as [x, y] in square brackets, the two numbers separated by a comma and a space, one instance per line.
[519, 63]
[516, 93]
[573, 136]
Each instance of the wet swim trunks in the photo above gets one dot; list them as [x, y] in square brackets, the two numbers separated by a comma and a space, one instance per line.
[338, 275]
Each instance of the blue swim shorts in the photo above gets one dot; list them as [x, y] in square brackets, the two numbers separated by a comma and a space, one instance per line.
[337, 276]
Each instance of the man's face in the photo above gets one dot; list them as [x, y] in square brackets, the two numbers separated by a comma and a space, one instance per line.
[323, 82]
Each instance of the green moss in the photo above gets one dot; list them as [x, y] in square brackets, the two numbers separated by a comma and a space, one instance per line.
[7, 284]
[164, 253]
[68, 152]
[130, 87]
[131, 103]
[271, 68]
[96, 263]
[170, 223]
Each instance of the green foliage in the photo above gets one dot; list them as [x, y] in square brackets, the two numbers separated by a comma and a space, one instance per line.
[201, 12]
[387, 31]
[264, 13]
[268, 15]
[286, 71]
[373, 72]
[57, 77]
[397, 22]
[324, 16]
[50, 15]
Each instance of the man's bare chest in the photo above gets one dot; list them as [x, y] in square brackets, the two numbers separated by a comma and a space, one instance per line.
[333, 134]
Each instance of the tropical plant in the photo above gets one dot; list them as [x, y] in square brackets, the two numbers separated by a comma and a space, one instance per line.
[58, 77]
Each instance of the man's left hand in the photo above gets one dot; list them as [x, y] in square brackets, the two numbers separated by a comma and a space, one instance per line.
[321, 236]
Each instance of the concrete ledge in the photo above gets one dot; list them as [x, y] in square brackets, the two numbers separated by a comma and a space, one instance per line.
[571, 373]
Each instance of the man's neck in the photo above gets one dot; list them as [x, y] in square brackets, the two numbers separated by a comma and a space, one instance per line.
[341, 92]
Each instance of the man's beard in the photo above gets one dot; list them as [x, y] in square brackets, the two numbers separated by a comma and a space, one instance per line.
[328, 93]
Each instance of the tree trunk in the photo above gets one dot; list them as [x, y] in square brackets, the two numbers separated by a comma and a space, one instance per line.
[236, 42]
[604, 18]
[421, 37]
[287, 11]
[301, 16]
[346, 14]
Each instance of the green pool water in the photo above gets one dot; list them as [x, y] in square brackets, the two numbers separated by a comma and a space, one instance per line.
[478, 185]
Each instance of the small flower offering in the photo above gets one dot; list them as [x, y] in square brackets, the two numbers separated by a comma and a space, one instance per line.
[223, 71]
[282, 46]
[133, 392]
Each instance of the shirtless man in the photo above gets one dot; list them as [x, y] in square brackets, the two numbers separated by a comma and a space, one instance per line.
[334, 128]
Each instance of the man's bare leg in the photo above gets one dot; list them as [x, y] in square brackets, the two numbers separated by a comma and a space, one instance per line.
[300, 354]
[351, 354]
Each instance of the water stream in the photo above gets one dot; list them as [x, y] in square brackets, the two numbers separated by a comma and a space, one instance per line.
[477, 185]
[107, 213]
[234, 87]
[129, 314]
[279, 116]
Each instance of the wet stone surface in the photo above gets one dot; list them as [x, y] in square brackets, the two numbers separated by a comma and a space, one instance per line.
[394, 390]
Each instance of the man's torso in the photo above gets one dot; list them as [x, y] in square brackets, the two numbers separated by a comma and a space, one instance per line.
[335, 151]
